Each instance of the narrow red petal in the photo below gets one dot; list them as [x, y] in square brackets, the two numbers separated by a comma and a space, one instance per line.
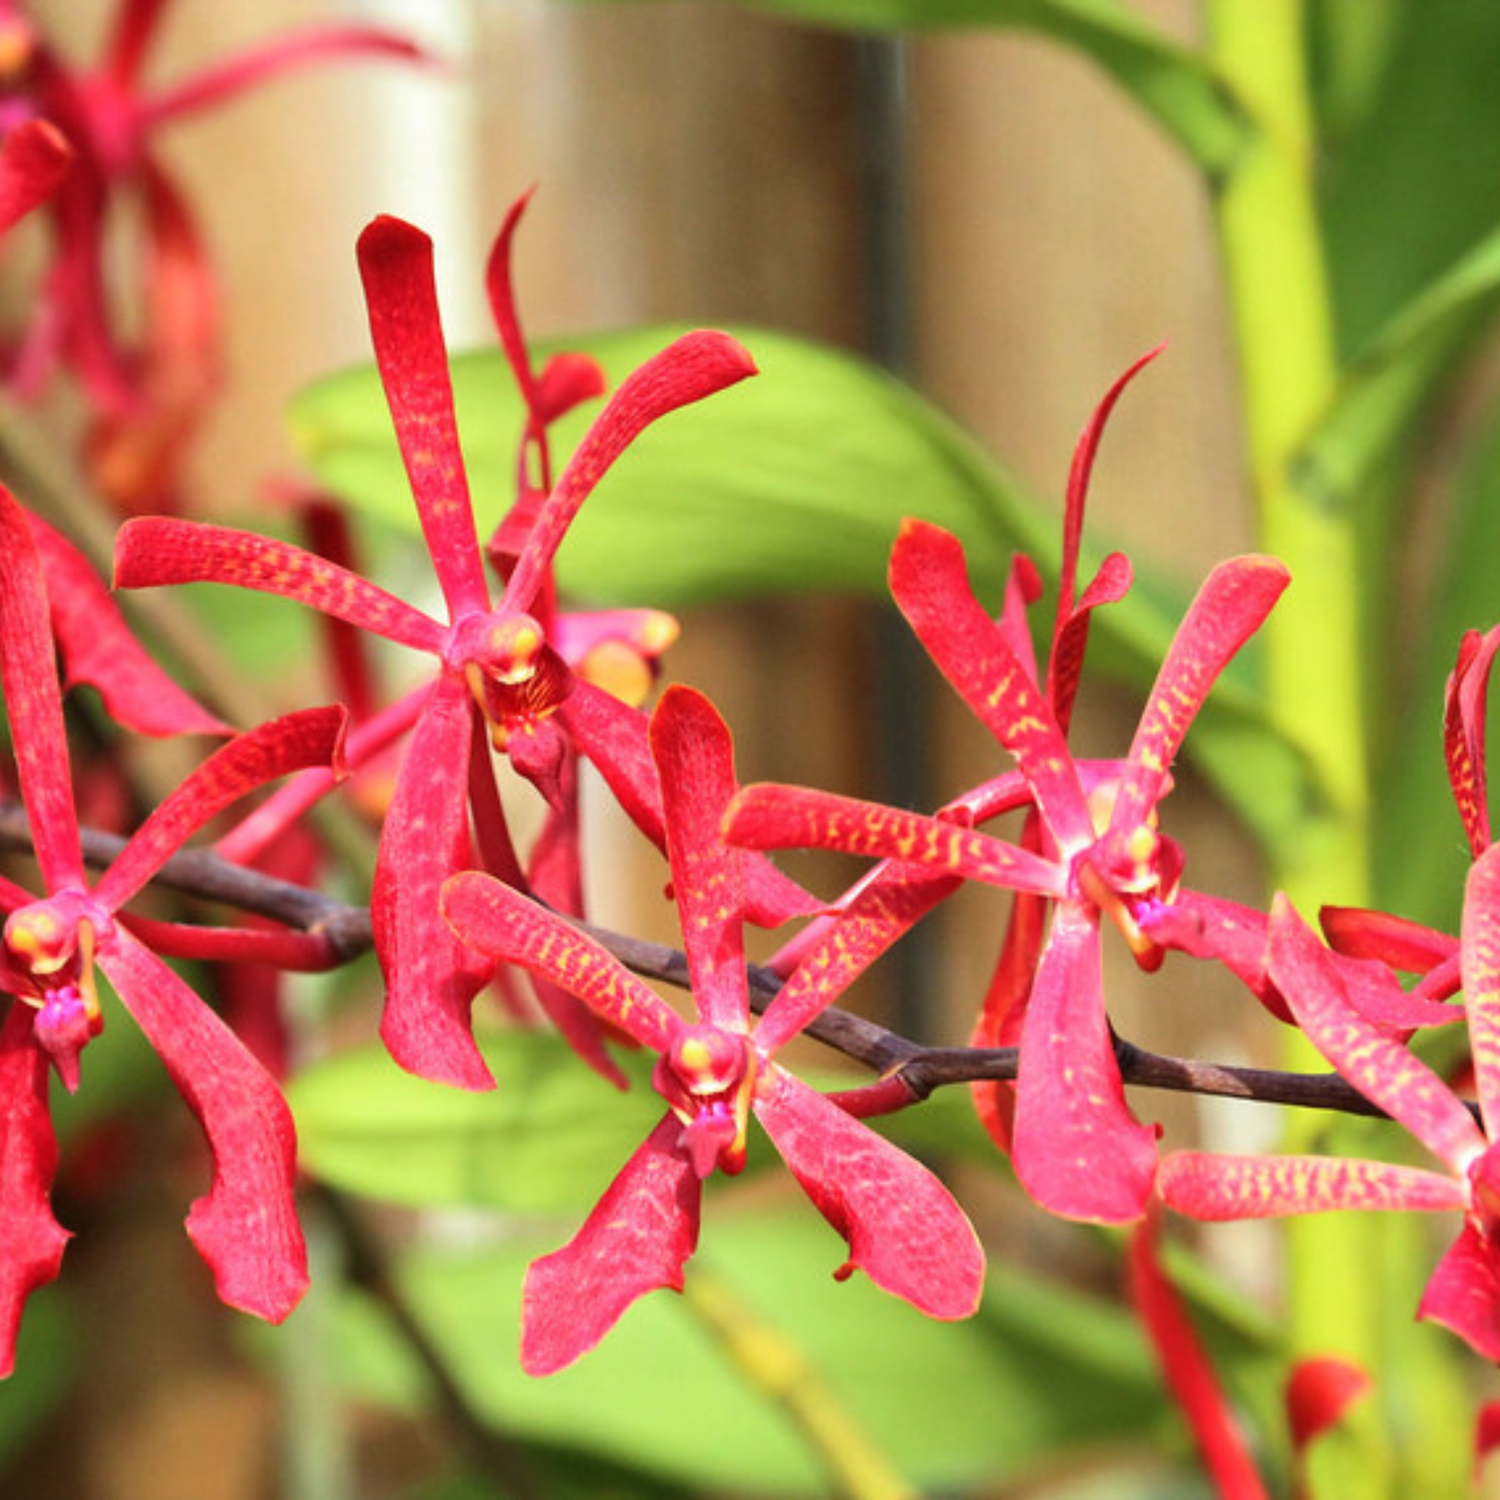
[152, 550]
[223, 81]
[1230, 607]
[430, 977]
[771, 815]
[511, 928]
[1065, 667]
[1212, 1187]
[695, 761]
[1403, 944]
[692, 367]
[1079, 474]
[34, 1240]
[930, 582]
[903, 1228]
[882, 910]
[310, 737]
[1463, 1293]
[639, 1237]
[246, 1226]
[99, 648]
[34, 158]
[395, 264]
[615, 739]
[1464, 718]
[1077, 1149]
[1187, 1370]
[33, 701]
[1480, 948]
[1379, 1067]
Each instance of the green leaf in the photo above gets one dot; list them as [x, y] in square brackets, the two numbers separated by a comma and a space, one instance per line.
[794, 480]
[548, 1138]
[1386, 386]
[1171, 83]
[1041, 1374]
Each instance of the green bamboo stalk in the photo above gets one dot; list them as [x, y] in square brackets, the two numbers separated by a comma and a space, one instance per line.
[1273, 255]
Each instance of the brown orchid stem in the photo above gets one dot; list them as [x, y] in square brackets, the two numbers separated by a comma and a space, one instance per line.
[200, 873]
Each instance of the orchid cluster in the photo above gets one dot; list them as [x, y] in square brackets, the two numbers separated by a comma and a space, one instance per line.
[521, 699]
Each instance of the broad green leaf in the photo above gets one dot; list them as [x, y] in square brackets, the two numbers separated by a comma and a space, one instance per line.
[794, 480]
[548, 1138]
[1040, 1374]
[1173, 84]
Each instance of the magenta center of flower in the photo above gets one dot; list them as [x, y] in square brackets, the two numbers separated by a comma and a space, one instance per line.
[708, 1077]
[1484, 1185]
[49, 951]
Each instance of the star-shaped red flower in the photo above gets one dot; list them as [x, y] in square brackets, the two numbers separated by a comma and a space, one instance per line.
[716, 1071]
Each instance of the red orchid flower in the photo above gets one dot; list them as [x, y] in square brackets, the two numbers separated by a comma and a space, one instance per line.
[1077, 1149]
[498, 671]
[246, 1226]
[1464, 1291]
[147, 390]
[716, 1071]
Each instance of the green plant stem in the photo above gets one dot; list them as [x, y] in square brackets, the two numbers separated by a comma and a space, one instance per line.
[1273, 256]
[777, 1368]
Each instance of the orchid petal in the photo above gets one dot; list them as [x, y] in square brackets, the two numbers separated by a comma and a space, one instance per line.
[639, 1237]
[511, 928]
[1379, 1067]
[1396, 941]
[1464, 733]
[99, 648]
[771, 815]
[695, 761]
[498, 286]
[34, 1240]
[1079, 474]
[34, 158]
[1463, 1293]
[395, 264]
[1230, 607]
[1065, 667]
[1188, 1372]
[1480, 946]
[1226, 931]
[33, 701]
[246, 1226]
[430, 981]
[881, 912]
[687, 370]
[615, 739]
[1077, 1149]
[310, 737]
[930, 582]
[153, 550]
[223, 81]
[903, 1228]
[1209, 1186]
